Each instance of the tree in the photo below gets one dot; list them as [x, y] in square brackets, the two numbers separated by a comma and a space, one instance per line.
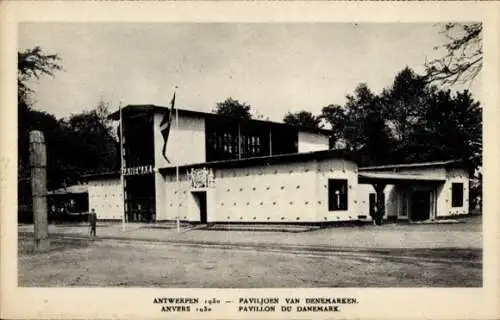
[334, 115]
[233, 108]
[303, 119]
[451, 128]
[52, 130]
[463, 59]
[91, 143]
[404, 102]
[356, 110]
[81, 145]
[32, 63]
[361, 125]
[377, 138]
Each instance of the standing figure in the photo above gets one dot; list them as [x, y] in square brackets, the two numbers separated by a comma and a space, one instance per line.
[92, 224]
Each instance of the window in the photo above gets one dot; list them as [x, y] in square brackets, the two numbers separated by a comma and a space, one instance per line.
[457, 194]
[337, 194]
[230, 139]
[222, 141]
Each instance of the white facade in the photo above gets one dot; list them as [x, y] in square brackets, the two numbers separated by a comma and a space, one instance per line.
[287, 192]
[186, 143]
[444, 203]
[336, 169]
[398, 197]
[309, 141]
[106, 197]
[290, 188]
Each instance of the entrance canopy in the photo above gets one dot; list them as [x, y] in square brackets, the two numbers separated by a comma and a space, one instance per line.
[394, 178]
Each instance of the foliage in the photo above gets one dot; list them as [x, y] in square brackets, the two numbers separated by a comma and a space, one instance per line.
[82, 144]
[233, 108]
[404, 102]
[93, 145]
[410, 121]
[334, 115]
[31, 64]
[449, 129]
[303, 119]
[360, 125]
[463, 59]
[356, 109]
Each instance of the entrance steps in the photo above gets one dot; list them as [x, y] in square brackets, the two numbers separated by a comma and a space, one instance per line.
[197, 227]
[260, 227]
[438, 221]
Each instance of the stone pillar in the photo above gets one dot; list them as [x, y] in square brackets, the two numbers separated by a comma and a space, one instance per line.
[38, 164]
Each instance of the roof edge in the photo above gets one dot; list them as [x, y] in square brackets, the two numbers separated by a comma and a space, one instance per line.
[108, 174]
[116, 116]
[444, 163]
[268, 160]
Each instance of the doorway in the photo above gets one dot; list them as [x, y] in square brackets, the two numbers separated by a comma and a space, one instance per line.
[200, 198]
[140, 200]
[420, 205]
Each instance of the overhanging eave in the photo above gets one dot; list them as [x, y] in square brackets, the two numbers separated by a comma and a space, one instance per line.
[393, 178]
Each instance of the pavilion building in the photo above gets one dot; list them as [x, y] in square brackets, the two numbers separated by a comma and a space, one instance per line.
[219, 169]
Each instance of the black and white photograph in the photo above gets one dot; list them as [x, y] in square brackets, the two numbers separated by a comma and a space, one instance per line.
[250, 155]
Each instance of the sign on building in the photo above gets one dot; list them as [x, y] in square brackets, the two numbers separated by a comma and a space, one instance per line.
[140, 170]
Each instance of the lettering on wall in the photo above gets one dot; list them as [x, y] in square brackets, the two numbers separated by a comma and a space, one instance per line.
[140, 170]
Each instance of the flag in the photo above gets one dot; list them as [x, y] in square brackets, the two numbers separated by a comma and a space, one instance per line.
[167, 119]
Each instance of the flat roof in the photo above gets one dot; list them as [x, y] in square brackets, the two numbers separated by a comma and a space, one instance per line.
[103, 175]
[313, 155]
[78, 188]
[151, 107]
[268, 160]
[246, 162]
[369, 177]
[445, 163]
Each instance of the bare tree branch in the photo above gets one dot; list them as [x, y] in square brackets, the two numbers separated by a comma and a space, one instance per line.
[463, 60]
[32, 63]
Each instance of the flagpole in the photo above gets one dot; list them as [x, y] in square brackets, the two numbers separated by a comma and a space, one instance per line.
[121, 167]
[177, 168]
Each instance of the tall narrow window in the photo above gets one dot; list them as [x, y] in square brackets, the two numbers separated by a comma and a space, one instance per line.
[337, 194]
[457, 194]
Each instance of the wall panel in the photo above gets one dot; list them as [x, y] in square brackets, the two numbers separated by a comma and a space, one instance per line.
[106, 197]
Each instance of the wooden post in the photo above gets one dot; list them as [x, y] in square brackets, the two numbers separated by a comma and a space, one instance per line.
[122, 166]
[38, 165]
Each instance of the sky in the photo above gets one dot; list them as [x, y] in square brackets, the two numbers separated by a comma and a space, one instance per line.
[274, 67]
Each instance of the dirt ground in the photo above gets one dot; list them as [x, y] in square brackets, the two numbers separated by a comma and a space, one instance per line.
[394, 236]
[77, 262]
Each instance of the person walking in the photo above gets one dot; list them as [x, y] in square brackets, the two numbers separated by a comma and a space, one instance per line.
[92, 224]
